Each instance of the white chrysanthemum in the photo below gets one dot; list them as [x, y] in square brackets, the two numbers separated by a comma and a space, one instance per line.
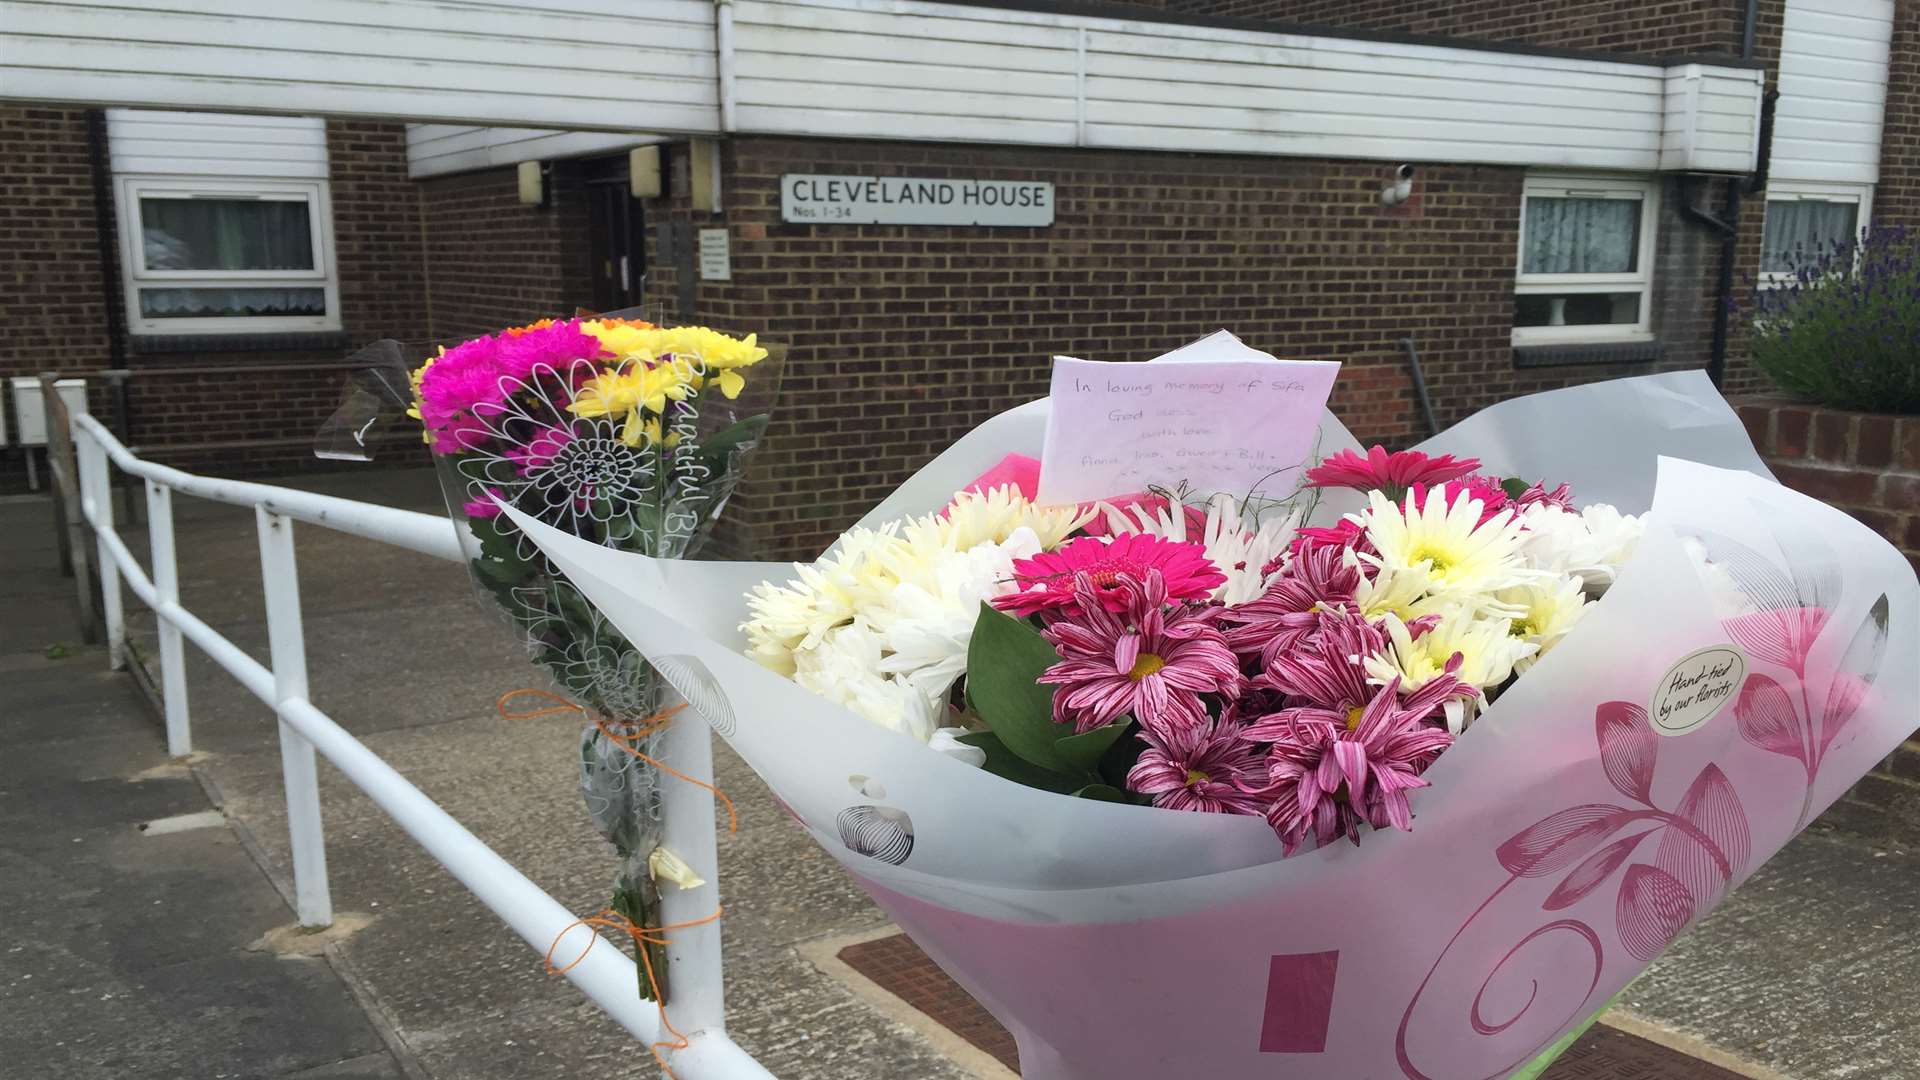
[1591, 543]
[1544, 612]
[926, 624]
[1486, 650]
[825, 595]
[1461, 555]
[975, 518]
[1723, 591]
[1238, 550]
[844, 668]
[1404, 592]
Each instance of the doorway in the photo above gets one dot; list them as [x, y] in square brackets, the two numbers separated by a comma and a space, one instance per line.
[616, 247]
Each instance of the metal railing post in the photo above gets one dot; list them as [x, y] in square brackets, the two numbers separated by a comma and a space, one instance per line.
[69, 517]
[313, 901]
[693, 954]
[96, 499]
[166, 589]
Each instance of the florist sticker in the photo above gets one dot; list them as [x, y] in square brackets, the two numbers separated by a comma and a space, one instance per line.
[1234, 426]
[1694, 690]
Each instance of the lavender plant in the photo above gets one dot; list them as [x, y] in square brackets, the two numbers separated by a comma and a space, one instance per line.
[1844, 330]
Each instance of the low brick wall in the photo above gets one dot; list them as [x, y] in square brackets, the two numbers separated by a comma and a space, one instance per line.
[1867, 464]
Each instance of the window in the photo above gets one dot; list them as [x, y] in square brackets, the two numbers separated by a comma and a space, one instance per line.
[227, 256]
[1586, 260]
[1806, 221]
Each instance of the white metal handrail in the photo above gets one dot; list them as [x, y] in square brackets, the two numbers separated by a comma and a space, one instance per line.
[605, 975]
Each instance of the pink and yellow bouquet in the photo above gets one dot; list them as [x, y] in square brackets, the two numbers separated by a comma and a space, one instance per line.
[625, 435]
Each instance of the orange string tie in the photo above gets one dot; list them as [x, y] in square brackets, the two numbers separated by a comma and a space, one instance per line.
[561, 705]
[643, 936]
[642, 730]
[647, 727]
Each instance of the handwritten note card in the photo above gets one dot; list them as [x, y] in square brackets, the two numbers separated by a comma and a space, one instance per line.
[1228, 426]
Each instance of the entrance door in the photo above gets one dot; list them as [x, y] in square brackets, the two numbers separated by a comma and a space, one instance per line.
[615, 244]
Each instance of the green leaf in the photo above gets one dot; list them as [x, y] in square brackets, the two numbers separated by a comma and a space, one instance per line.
[1104, 793]
[1083, 752]
[1514, 487]
[1004, 763]
[1004, 659]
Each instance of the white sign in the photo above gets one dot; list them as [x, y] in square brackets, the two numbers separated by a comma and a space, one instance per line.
[1234, 425]
[913, 200]
[716, 263]
[1694, 690]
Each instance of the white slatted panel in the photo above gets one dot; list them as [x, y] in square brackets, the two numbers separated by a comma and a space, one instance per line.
[909, 69]
[1833, 90]
[439, 149]
[587, 64]
[146, 141]
[1712, 119]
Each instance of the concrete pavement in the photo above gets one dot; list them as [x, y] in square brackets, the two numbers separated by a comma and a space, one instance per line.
[1794, 974]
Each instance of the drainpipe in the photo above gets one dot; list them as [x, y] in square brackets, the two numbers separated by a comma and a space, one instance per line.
[1727, 224]
[723, 48]
[105, 227]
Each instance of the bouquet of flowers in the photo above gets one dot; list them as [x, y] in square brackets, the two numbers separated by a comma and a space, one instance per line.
[621, 434]
[1558, 724]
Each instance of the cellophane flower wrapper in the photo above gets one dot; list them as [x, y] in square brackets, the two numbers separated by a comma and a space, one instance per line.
[650, 479]
[1562, 844]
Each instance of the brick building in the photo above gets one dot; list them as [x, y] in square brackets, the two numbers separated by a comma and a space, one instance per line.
[1211, 163]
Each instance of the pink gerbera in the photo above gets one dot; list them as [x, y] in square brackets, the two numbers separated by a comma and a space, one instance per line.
[1391, 473]
[1345, 533]
[1092, 567]
[1326, 779]
[1318, 579]
[1209, 769]
[1136, 658]
[1491, 496]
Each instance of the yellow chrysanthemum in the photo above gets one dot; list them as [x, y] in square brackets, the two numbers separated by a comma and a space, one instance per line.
[413, 380]
[1486, 652]
[637, 392]
[624, 339]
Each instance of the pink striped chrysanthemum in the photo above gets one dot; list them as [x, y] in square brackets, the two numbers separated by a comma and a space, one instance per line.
[1326, 779]
[1140, 659]
[1278, 620]
[1209, 769]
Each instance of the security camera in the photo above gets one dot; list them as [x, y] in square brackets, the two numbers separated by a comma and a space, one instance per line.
[1400, 189]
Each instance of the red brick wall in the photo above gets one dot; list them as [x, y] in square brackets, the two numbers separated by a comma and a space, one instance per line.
[905, 338]
[1866, 464]
[1896, 201]
[52, 306]
[50, 294]
[1651, 27]
[492, 261]
[376, 231]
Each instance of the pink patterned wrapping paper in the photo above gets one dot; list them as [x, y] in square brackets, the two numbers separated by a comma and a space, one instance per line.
[1754, 659]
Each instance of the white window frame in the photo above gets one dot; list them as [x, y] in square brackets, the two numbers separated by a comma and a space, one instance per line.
[1813, 191]
[1646, 191]
[314, 193]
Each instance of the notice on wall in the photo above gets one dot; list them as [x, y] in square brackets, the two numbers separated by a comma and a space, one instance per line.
[811, 199]
[1236, 426]
[716, 261]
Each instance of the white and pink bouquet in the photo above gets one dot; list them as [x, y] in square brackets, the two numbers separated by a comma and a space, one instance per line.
[1560, 723]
